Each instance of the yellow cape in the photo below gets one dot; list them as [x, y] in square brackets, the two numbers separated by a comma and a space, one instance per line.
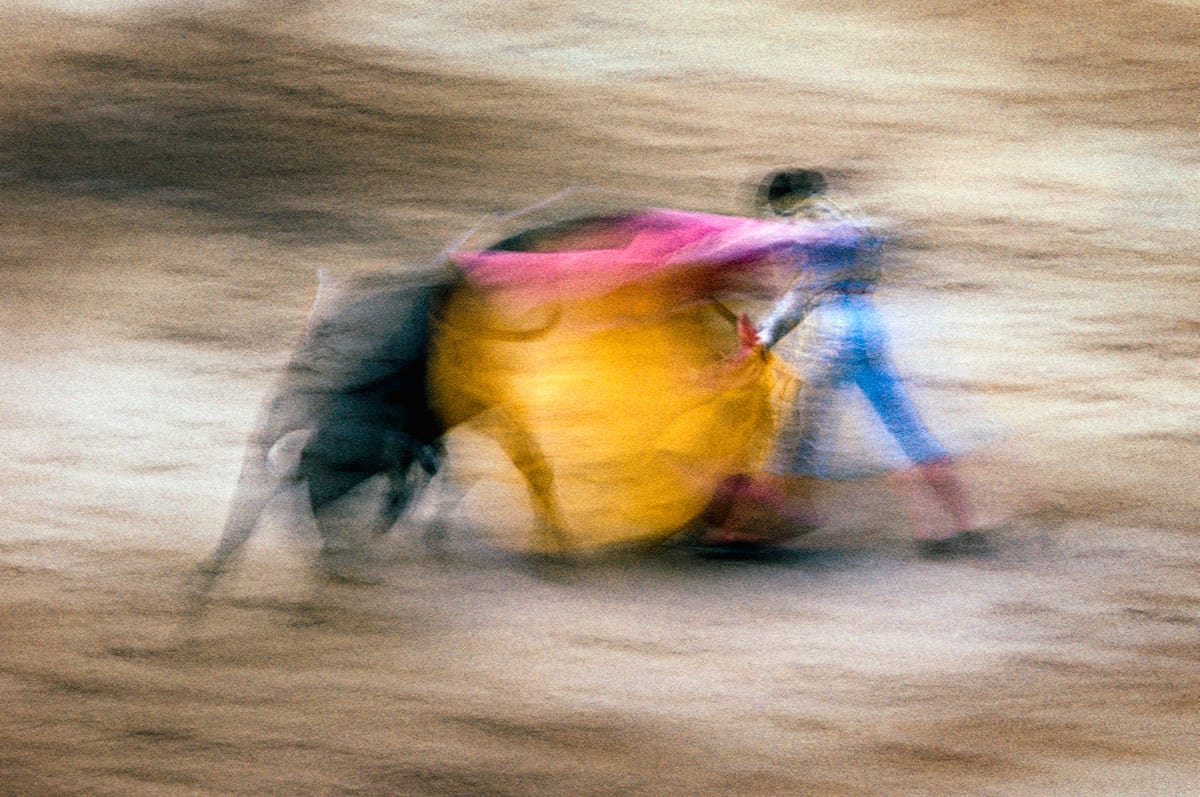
[633, 401]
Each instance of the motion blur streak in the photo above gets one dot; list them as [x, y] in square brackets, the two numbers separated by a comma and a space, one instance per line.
[173, 174]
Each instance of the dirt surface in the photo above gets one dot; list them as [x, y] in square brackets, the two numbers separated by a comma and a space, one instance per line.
[171, 181]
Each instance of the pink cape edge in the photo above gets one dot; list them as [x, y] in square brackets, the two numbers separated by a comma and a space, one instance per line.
[664, 240]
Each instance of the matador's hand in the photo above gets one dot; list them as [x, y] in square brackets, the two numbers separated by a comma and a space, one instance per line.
[747, 334]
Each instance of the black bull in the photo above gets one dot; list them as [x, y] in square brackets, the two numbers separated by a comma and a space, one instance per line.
[355, 399]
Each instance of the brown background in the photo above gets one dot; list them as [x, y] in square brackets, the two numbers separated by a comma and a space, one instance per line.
[170, 182]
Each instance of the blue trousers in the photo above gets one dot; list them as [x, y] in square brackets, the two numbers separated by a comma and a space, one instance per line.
[849, 348]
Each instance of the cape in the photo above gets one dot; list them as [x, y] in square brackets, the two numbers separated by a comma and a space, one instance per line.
[605, 341]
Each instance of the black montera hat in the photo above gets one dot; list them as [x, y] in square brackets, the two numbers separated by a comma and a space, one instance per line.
[783, 188]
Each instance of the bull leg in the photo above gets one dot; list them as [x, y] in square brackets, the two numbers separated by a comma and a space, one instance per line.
[254, 492]
[343, 516]
[406, 482]
[522, 449]
[402, 487]
[444, 496]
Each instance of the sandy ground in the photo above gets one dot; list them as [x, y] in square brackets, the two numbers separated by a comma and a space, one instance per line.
[170, 182]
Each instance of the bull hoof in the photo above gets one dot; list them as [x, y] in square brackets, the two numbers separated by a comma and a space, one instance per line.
[346, 568]
[965, 544]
